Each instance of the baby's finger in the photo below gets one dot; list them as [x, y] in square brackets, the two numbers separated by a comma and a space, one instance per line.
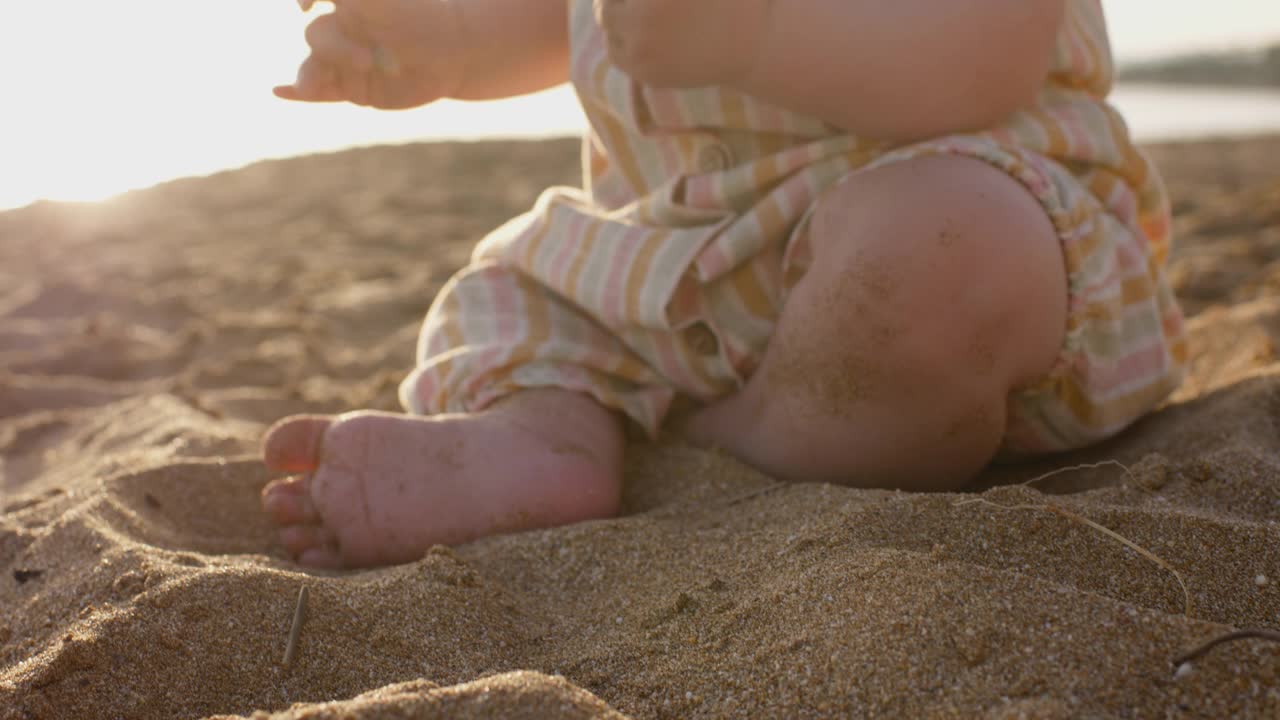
[379, 96]
[330, 43]
[291, 92]
[355, 86]
[319, 82]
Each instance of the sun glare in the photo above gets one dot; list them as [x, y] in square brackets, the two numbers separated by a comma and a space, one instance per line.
[104, 97]
[131, 94]
[107, 96]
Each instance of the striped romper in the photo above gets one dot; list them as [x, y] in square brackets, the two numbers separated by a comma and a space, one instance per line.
[663, 277]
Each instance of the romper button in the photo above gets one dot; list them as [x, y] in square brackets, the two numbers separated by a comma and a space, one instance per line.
[714, 158]
[701, 339]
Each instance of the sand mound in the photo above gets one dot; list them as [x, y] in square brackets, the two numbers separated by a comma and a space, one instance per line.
[145, 343]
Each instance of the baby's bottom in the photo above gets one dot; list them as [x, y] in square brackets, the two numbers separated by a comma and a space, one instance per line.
[936, 291]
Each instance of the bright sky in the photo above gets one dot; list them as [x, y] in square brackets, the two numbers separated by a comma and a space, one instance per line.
[103, 96]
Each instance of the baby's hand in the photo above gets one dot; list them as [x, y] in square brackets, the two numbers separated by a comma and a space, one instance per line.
[389, 54]
[684, 43]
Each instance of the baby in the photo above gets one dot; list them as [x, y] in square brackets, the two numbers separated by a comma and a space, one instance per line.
[851, 241]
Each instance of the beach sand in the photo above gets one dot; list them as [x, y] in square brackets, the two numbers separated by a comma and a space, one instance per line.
[146, 342]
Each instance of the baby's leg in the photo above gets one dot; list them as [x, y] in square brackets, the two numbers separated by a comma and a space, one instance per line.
[937, 286]
[380, 488]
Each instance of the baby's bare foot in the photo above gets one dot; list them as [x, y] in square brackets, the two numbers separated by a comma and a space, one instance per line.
[380, 488]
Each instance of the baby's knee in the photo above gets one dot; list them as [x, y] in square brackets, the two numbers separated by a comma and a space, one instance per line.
[949, 250]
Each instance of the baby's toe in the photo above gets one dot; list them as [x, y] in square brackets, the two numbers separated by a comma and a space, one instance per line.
[288, 501]
[299, 540]
[294, 443]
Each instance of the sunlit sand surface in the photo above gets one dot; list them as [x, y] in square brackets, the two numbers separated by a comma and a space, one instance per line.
[145, 344]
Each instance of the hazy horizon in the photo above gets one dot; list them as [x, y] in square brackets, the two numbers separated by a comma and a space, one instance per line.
[101, 98]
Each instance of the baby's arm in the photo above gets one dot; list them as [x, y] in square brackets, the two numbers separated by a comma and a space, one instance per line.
[513, 46]
[907, 69]
[899, 70]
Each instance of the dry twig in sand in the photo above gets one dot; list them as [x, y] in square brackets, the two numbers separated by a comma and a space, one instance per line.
[1086, 466]
[1186, 595]
[750, 494]
[291, 649]
[1200, 651]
